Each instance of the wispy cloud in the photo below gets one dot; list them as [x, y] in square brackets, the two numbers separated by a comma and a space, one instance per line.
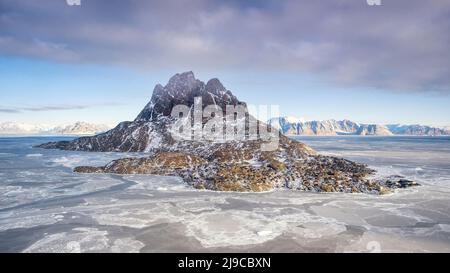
[8, 110]
[47, 108]
[55, 108]
[401, 45]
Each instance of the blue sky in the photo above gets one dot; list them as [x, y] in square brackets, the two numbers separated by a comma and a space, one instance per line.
[102, 94]
[101, 65]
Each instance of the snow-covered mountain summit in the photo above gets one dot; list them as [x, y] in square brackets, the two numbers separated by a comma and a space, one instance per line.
[81, 128]
[417, 130]
[181, 90]
[20, 128]
[78, 128]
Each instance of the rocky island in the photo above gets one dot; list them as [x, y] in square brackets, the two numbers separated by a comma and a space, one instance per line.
[235, 165]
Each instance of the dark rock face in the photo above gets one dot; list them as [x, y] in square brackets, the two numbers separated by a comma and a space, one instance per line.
[236, 165]
[150, 129]
[399, 182]
[181, 90]
[138, 136]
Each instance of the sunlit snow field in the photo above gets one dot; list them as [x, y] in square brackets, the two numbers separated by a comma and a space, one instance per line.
[45, 207]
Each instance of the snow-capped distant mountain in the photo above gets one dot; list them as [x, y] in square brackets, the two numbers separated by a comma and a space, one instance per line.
[417, 130]
[373, 130]
[19, 128]
[329, 127]
[294, 119]
[346, 127]
[79, 128]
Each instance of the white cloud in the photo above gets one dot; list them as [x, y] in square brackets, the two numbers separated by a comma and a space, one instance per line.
[401, 45]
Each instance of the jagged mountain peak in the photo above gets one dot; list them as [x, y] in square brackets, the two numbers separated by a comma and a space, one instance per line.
[188, 75]
[185, 81]
[182, 89]
[215, 86]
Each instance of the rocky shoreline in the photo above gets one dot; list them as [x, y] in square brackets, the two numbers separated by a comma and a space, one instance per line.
[314, 173]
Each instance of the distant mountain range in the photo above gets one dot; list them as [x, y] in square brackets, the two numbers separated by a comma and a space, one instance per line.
[331, 127]
[417, 130]
[287, 125]
[78, 128]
